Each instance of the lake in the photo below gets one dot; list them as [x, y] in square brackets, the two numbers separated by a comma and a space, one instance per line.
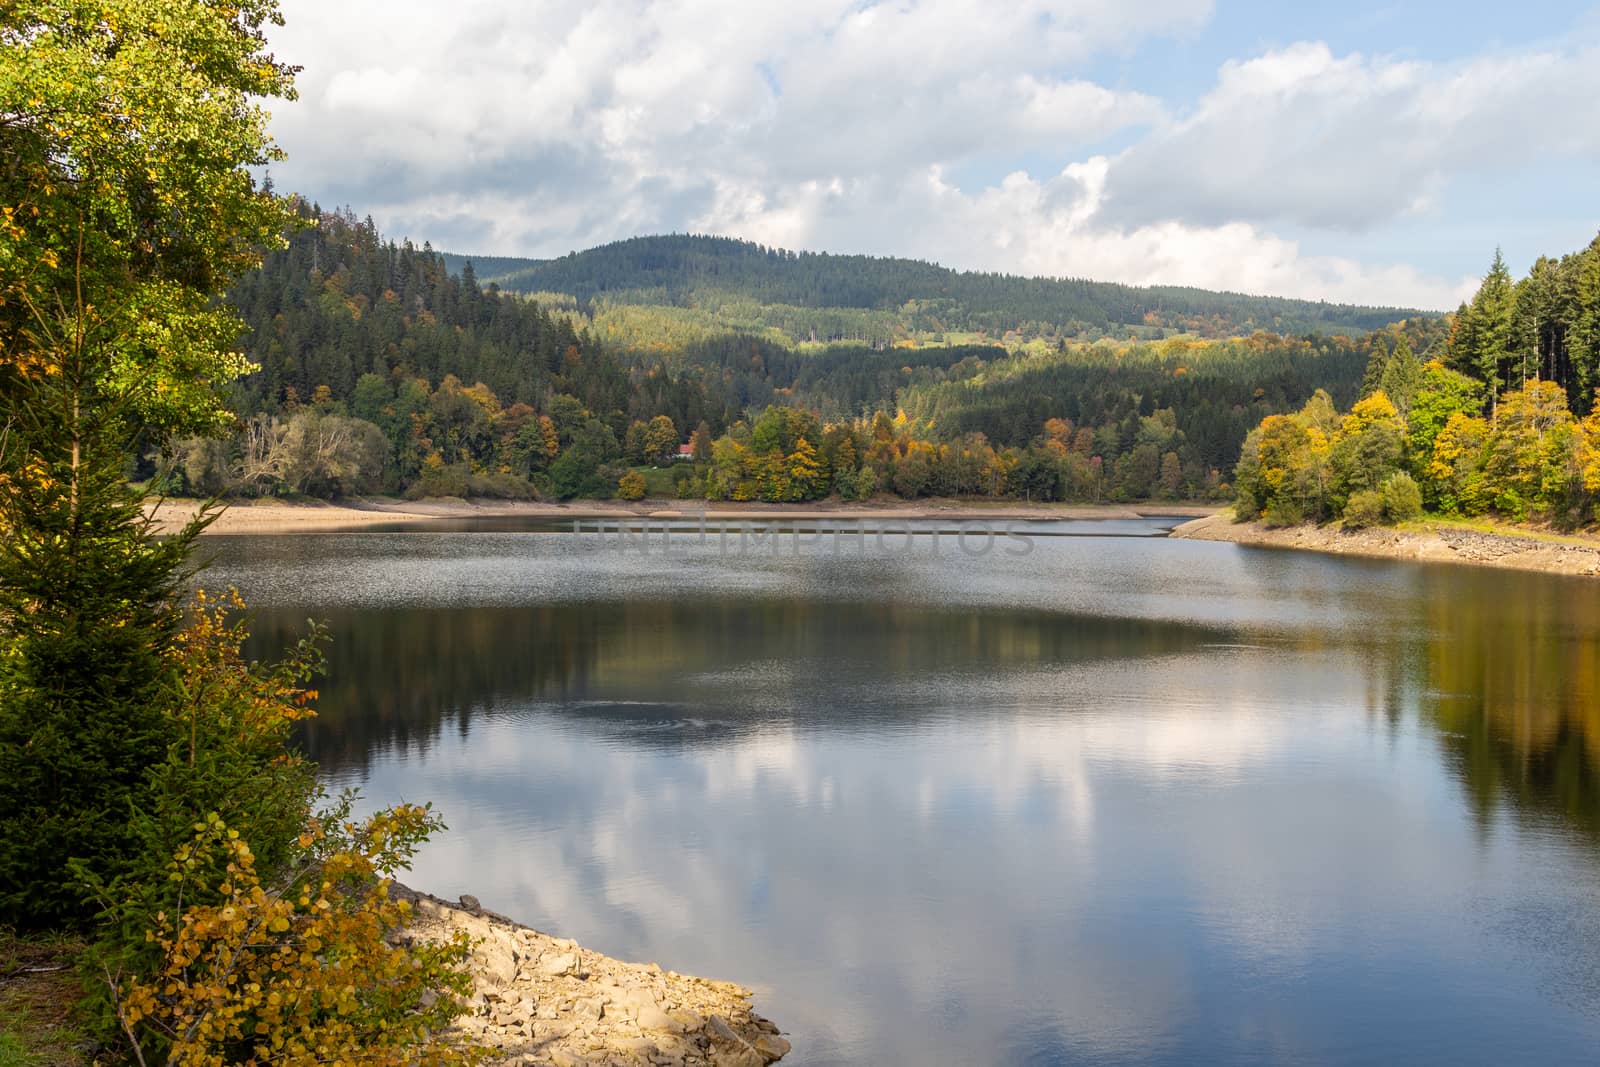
[1079, 794]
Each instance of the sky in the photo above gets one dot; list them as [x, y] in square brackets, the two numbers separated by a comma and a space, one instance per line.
[1365, 152]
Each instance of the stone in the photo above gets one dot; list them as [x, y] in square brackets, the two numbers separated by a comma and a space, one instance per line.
[565, 1058]
[737, 1057]
[653, 1018]
[565, 963]
[590, 1007]
[771, 1046]
[636, 1000]
[642, 1047]
[470, 903]
[719, 1026]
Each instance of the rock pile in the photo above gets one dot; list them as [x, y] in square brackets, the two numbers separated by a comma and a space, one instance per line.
[542, 999]
[1485, 546]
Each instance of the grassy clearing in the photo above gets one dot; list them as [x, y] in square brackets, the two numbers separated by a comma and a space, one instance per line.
[38, 991]
[662, 481]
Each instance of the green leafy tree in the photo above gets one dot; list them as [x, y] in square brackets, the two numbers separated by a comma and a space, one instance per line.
[1441, 395]
[1284, 472]
[866, 483]
[534, 446]
[1453, 479]
[661, 439]
[1366, 449]
[1363, 509]
[634, 447]
[583, 468]
[1527, 457]
[1401, 496]
[128, 207]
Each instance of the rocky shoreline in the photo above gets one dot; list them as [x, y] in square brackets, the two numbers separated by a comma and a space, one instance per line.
[544, 1000]
[1422, 542]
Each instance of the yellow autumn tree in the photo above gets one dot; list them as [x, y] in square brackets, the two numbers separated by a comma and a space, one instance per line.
[1454, 476]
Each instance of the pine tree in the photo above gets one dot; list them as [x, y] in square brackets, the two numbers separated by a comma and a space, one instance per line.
[1402, 376]
[1372, 380]
[1492, 310]
[1585, 334]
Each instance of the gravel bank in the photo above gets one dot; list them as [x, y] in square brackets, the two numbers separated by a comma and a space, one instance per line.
[1428, 543]
[545, 1000]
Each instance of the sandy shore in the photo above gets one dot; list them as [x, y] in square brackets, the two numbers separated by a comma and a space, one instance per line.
[541, 999]
[1424, 541]
[274, 516]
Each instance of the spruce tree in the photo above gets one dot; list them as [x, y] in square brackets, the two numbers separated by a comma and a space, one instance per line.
[1492, 310]
[1372, 380]
[1402, 376]
[1584, 339]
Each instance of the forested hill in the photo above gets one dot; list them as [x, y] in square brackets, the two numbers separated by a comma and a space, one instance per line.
[691, 271]
[379, 370]
[487, 267]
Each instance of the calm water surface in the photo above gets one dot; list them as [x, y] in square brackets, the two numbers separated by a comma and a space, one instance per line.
[1114, 800]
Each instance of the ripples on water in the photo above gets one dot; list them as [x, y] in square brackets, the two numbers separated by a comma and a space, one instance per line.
[1116, 800]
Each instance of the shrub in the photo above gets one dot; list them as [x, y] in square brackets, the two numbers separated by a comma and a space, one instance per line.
[1245, 505]
[1284, 511]
[501, 485]
[866, 483]
[1363, 509]
[458, 480]
[1402, 497]
[439, 479]
[226, 725]
[684, 486]
[305, 966]
[631, 486]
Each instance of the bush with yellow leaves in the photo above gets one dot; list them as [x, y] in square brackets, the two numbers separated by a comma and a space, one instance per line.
[310, 969]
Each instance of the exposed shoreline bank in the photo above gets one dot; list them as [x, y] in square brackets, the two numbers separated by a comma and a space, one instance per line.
[542, 999]
[1424, 541]
[282, 517]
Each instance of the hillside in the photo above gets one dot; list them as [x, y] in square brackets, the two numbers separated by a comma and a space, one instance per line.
[487, 267]
[379, 370]
[754, 287]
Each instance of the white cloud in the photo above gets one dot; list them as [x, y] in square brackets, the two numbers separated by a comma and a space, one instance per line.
[1054, 227]
[1352, 142]
[544, 127]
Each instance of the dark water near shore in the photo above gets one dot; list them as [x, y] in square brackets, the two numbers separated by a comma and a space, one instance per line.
[1109, 799]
